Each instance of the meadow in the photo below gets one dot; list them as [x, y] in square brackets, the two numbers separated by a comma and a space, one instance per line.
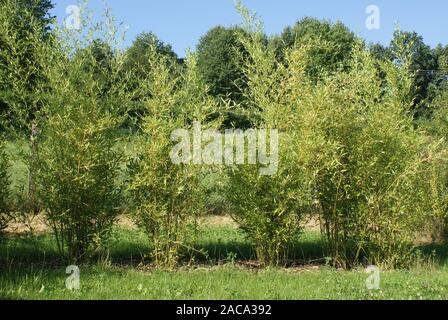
[225, 269]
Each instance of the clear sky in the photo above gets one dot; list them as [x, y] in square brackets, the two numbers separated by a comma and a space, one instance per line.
[182, 22]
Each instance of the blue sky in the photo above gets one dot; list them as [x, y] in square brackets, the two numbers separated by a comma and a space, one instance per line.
[182, 22]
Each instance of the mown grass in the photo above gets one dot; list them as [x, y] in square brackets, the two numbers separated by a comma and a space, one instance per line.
[30, 269]
[223, 282]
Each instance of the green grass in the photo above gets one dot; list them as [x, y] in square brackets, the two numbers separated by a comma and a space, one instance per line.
[30, 269]
[223, 282]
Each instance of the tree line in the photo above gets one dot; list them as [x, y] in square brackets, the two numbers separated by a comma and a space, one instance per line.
[220, 58]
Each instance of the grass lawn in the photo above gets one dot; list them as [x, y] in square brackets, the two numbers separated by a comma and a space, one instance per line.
[29, 269]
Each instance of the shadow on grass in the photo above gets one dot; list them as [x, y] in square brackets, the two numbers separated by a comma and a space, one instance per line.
[217, 251]
[29, 250]
[437, 251]
[307, 249]
[130, 248]
[123, 248]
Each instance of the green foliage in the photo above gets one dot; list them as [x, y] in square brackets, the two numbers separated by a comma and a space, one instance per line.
[441, 53]
[136, 69]
[77, 164]
[23, 25]
[5, 215]
[424, 65]
[440, 115]
[219, 62]
[336, 38]
[137, 54]
[221, 66]
[25, 31]
[438, 128]
[348, 151]
[270, 209]
[215, 200]
[163, 195]
[368, 180]
[439, 84]
[97, 60]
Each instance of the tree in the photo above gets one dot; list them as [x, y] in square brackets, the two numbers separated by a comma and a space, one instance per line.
[39, 9]
[336, 38]
[23, 24]
[380, 52]
[437, 126]
[441, 53]
[221, 59]
[219, 63]
[137, 54]
[137, 63]
[424, 65]
[100, 64]
[366, 160]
